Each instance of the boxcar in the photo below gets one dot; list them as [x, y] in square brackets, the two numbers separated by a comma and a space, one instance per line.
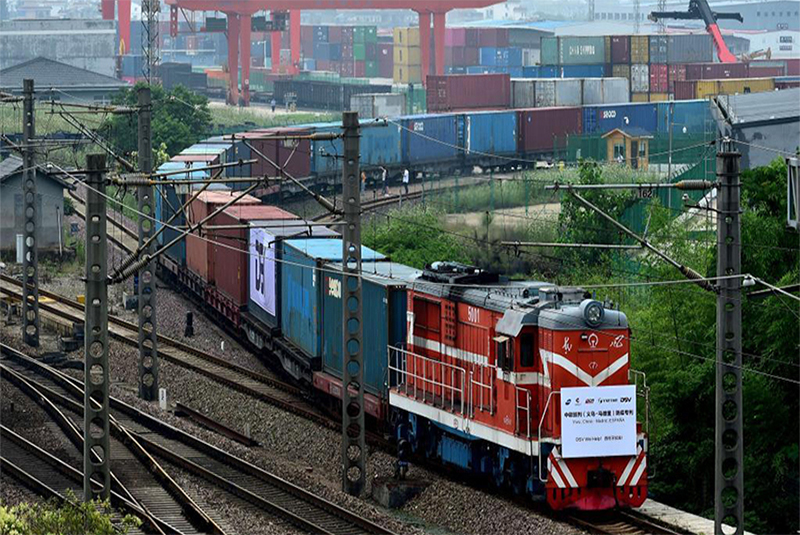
[429, 139]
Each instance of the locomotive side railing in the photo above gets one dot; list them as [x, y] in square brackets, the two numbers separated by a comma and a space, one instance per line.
[426, 379]
[541, 423]
[485, 392]
[525, 408]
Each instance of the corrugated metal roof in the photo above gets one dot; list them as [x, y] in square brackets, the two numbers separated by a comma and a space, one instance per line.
[221, 197]
[329, 249]
[295, 228]
[756, 107]
[47, 73]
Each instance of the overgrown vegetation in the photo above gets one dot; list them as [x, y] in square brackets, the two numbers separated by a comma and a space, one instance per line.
[72, 517]
[225, 117]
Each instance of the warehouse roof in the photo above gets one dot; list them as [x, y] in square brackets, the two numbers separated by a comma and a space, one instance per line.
[12, 166]
[759, 107]
[47, 73]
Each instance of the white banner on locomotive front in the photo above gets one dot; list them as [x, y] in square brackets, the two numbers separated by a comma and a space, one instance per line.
[598, 421]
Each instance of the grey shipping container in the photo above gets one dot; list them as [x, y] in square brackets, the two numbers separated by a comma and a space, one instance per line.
[581, 50]
[369, 105]
[659, 45]
[690, 49]
[569, 91]
[523, 93]
[640, 78]
[605, 91]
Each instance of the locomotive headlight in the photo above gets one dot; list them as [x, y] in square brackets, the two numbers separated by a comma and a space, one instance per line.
[593, 313]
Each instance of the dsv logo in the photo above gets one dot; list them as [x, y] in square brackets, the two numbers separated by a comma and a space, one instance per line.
[626, 399]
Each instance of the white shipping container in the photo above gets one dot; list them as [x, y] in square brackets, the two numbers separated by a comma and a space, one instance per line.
[531, 56]
[523, 93]
[605, 91]
[640, 78]
[545, 93]
[371, 105]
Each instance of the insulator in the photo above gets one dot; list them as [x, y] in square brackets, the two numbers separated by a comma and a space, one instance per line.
[130, 270]
[693, 184]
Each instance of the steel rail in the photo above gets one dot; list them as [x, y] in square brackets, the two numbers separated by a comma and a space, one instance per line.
[303, 508]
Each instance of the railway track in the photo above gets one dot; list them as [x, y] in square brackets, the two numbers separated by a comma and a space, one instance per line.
[620, 523]
[234, 475]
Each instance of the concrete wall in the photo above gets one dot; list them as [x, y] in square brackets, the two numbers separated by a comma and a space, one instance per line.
[88, 44]
[50, 196]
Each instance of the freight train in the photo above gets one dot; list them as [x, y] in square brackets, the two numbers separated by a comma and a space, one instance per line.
[525, 384]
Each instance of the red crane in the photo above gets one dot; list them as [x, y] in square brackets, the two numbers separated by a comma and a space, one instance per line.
[699, 9]
[240, 12]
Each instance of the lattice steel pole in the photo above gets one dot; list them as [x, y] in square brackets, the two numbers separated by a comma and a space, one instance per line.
[30, 231]
[148, 351]
[96, 471]
[728, 468]
[353, 447]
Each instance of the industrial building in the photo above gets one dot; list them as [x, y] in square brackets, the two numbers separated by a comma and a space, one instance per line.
[59, 81]
[49, 206]
[86, 44]
[767, 124]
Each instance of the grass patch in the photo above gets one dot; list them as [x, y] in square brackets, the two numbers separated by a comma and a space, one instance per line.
[223, 117]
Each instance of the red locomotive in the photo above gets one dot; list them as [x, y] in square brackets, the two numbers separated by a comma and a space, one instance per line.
[526, 383]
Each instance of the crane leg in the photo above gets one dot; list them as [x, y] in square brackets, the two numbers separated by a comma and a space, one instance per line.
[438, 40]
[244, 44]
[425, 43]
[233, 59]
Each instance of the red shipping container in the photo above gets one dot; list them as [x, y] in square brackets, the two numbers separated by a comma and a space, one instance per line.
[676, 73]
[621, 49]
[231, 250]
[455, 37]
[334, 34]
[200, 252]
[659, 78]
[360, 69]
[448, 56]
[715, 71]
[793, 67]
[472, 38]
[295, 162]
[468, 92]
[685, 90]
[323, 65]
[763, 71]
[540, 129]
[306, 34]
[458, 57]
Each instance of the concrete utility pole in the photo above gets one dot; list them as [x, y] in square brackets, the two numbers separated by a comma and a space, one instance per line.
[728, 466]
[353, 452]
[96, 473]
[30, 247]
[148, 352]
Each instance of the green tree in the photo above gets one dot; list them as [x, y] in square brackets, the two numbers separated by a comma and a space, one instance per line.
[180, 119]
[72, 517]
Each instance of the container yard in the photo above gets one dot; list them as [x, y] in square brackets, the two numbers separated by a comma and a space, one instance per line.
[393, 268]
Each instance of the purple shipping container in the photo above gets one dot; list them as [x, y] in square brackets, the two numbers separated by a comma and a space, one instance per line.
[347, 35]
[360, 69]
[334, 34]
[675, 73]
[493, 37]
[621, 49]
[685, 90]
[472, 56]
[370, 51]
[765, 71]
[280, 151]
[544, 129]
[385, 60]
[468, 92]
[715, 71]
[307, 34]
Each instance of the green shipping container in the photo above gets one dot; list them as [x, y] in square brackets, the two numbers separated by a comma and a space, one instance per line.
[549, 50]
[359, 51]
[370, 34]
[581, 50]
[359, 34]
[371, 69]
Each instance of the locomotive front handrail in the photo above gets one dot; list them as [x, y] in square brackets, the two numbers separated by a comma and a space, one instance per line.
[541, 422]
[456, 373]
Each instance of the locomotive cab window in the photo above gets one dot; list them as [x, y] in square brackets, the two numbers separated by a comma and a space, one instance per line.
[505, 353]
[526, 350]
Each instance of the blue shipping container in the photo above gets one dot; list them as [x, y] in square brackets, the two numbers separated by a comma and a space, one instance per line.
[428, 138]
[549, 71]
[488, 56]
[694, 115]
[533, 71]
[301, 294]
[379, 146]
[603, 119]
[384, 305]
[165, 209]
[492, 132]
[322, 51]
[582, 71]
